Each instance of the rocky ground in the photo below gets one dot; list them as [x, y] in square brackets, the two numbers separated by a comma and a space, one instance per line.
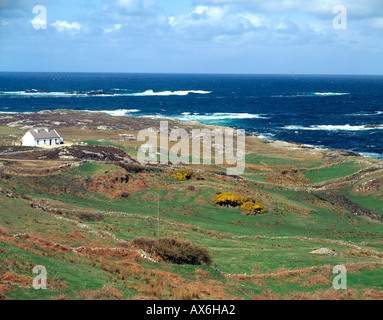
[85, 120]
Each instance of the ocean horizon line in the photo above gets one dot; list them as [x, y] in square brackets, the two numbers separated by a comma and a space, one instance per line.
[201, 74]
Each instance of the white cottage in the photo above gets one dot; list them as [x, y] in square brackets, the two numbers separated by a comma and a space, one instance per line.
[41, 137]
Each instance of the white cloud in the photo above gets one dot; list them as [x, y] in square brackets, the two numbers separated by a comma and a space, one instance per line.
[114, 28]
[319, 8]
[38, 23]
[63, 25]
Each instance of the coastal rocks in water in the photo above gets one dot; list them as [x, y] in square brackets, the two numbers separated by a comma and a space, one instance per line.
[371, 126]
[36, 91]
[90, 93]
[324, 251]
[99, 93]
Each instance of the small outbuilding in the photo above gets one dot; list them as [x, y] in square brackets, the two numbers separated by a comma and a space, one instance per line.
[42, 137]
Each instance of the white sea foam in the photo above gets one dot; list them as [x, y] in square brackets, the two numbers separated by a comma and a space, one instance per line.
[266, 136]
[376, 113]
[49, 94]
[327, 94]
[208, 117]
[23, 93]
[149, 93]
[222, 116]
[117, 112]
[346, 127]
[371, 155]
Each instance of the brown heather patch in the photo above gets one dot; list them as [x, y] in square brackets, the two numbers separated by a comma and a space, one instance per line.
[3, 289]
[354, 268]
[332, 294]
[62, 236]
[212, 281]
[138, 185]
[142, 298]
[17, 280]
[56, 284]
[26, 281]
[45, 244]
[283, 273]
[7, 238]
[320, 275]
[373, 294]
[287, 178]
[202, 274]
[111, 184]
[60, 297]
[127, 263]
[160, 284]
[96, 244]
[110, 253]
[319, 279]
[154, 287]
[361, 253]
[266, 295]
[105, 293]
[77, 235]
[169, 276]
[215, 292]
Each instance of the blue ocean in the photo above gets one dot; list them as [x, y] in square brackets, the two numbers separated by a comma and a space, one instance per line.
[343, 112]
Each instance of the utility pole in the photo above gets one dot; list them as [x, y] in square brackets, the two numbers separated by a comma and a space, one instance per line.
[158, 217]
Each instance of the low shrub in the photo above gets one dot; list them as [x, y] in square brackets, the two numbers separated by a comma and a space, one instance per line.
[248, 205]
[186, 174]
[124, 194]
[252, 208]
[228, 199]
[174, 250]
[183, 174]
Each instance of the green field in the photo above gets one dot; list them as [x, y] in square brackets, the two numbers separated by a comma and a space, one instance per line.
[46, 218]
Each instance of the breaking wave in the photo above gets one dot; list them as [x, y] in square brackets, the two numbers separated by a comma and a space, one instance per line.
[346, 127]
[187, 116]
[376, 113]
[149, 93]
[118, 112]
[328, 94]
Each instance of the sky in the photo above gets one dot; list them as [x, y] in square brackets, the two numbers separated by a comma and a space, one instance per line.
[192, 36]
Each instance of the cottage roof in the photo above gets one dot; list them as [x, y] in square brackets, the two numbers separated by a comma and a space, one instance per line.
[44, 134]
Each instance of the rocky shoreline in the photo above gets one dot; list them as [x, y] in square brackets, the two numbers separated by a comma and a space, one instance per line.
[103, 121]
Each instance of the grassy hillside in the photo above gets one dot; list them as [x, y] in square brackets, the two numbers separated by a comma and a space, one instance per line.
[80, 220]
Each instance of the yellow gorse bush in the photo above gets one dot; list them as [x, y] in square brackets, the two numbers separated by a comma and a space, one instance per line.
[183, 174]
[248, 205]
[186, 174]
[228, 199]
[251, 208]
